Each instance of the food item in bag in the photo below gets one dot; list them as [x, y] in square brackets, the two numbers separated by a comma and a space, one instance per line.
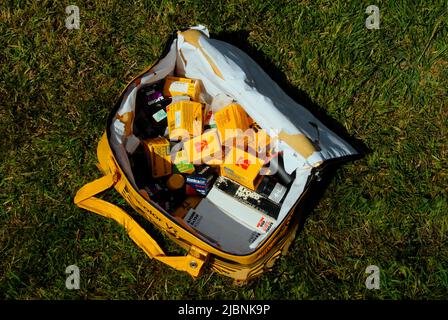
[184, 119]
[176, 86]
[158, 151]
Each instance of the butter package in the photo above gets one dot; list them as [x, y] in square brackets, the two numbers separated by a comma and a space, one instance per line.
[242, 167]
[184, 119]
[229, 119]
[175, 86]
[204, 148]
[182, 164]
[158, 151]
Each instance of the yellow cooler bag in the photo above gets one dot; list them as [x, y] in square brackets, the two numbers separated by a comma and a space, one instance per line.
[222, 69]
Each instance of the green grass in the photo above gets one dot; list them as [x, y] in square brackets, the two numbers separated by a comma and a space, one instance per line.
[387, 88]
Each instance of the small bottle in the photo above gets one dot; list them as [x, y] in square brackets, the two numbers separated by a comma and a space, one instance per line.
[272, 189]
[175, 193]
[175, 182]
[276, 166]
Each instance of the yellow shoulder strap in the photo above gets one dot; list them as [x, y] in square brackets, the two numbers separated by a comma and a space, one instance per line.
[85, 198]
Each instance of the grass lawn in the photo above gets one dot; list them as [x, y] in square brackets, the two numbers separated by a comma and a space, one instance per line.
[387, 88]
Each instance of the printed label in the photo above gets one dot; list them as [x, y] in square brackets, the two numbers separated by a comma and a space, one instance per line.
[192, 218]
[178, 86]
[200, 146]
[159, 115]
[177, 118]
[243, 163]
[277, 193]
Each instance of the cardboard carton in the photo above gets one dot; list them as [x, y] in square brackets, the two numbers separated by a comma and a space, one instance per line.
[184, 119]
[158, 154]
[175, 86]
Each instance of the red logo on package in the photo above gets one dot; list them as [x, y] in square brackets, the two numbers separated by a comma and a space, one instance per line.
[243, 163]
[201, 145]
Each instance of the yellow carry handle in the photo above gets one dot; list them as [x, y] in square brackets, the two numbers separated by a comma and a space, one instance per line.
[85, 198]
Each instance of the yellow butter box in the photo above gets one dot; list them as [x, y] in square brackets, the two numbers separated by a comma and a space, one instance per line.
[184, 119]
[242, 167]
[175, 86]
[158, 152]
[229, 119]
[204, 148]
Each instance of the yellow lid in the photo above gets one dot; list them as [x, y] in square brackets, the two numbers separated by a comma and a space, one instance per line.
[176, 181]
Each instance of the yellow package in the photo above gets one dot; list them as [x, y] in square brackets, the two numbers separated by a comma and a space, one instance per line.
[158, 151]
[203, 148]
[190, 202]
[229, 119]
[260, 142]
[182, 164]
[175, 86]
[242, 167]
[254, 140]
[184, 119]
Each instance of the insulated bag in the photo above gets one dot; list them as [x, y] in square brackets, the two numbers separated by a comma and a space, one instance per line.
[305, 143]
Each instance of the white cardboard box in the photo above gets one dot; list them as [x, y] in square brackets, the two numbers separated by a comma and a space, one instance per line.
[218, 227]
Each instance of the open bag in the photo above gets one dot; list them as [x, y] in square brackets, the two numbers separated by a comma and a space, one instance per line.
[306, 145]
